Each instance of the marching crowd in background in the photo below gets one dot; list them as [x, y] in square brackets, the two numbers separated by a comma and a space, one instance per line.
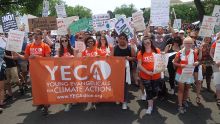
[138, 51]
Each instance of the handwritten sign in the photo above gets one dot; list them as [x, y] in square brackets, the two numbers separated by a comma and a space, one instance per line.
[61, 11]
[160, 62]
[217, 52]
[160, 11]
[122, 26]
[207, 27]
[187, 73]
[216, 13]
[44, 23]
[9, 22]
[45, 8]
[101, 22]
[177, 24]
[138, 21]
[80, 46]
[15, 41]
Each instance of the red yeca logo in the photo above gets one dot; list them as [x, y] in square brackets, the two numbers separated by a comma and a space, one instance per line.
[100, 70]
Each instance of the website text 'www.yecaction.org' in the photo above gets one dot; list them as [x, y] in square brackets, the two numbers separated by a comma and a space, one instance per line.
[73, 96]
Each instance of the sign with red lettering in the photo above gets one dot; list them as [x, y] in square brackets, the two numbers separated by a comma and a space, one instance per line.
[15, 41]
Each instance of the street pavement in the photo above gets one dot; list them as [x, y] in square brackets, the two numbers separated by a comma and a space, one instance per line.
[21, 111]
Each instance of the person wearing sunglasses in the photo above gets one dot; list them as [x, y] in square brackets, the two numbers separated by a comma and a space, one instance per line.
[149, 79]
[65, 49]
[103, 46]
[36, 49]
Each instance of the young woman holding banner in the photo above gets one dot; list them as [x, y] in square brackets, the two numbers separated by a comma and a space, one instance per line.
[184, 58]
[149, 79]
[103, 46]
[65, 50]
[90, 51]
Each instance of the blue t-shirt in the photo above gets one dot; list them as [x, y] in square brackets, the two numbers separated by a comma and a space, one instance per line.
[72, 40]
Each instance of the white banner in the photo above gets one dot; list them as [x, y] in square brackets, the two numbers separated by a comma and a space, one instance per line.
[138, 21]
[207, 27]
[123, 26]
[15, 41]
[160, 62]
[61, 11]
[45, 8]
[217, 52]
[177, 24]
[159, 13]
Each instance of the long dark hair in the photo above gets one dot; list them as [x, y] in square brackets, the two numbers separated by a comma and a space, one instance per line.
[100, 43]
[69, 48]
[152, 46]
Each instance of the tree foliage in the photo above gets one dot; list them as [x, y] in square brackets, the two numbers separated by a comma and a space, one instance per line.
[125, 9]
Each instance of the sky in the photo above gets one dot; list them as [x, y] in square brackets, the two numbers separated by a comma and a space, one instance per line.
[102, 6]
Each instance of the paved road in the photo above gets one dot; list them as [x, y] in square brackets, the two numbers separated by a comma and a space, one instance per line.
[21, 111]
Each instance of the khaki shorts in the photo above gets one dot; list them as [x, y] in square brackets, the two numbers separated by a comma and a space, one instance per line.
[12, 75]
[23, 66]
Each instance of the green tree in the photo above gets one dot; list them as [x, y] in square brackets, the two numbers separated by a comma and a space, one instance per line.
[125, 9]
[78, 10]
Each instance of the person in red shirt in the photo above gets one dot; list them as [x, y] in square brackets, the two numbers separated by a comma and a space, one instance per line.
[216, 69]
[65, 49]
[105, 49]
[184, 58]
[149, 79]
[36, 49]
[91, 49]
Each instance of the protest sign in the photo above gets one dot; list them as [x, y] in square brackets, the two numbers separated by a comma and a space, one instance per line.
[217, 52]
[44, 23]
[122, 26]
[159, 13]
[1, 30]
[177, 24]
[112, 23]
[63, 24]
[207, 27]
[216, 13]
[80, 46]
[9, 22]
[3, 42]
[187, 73]
[70, 80]
[101, 22]
[82, 24]
[15, 41]
[160, 62]
[118, 16]
[138, 21]
[61, 11]
[45, 8]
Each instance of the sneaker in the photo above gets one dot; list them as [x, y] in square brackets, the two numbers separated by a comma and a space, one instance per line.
[124, 106]
[185, 104]
[67, 108]
[181, 110]
[21, 91]
[117, 103]
[143, 97]
[171, 91]
[45, 111]
[90, 106]
[1, 110]
[149, 110]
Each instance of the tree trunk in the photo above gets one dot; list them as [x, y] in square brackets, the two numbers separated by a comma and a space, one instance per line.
[200, 9]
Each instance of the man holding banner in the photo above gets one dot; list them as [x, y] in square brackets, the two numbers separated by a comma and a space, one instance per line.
[37, 49]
